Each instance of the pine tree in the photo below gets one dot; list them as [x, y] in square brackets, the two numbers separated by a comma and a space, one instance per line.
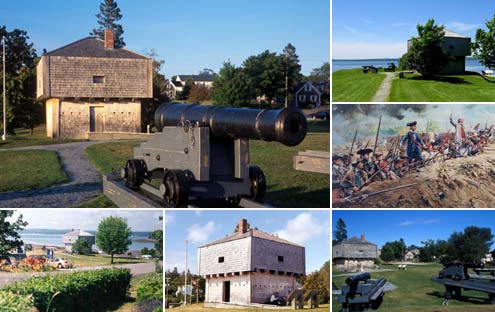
[340, 233]
[107, 19]
[293, 68]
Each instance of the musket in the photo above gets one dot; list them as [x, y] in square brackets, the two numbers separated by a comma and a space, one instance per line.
[427, 125]
[364, 196]
[374, 174]
[367, 143]
[353, 140]
[377, 134]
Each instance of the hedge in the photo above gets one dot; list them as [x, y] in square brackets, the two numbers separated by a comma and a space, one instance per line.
[10, 302]
[150, 294]
[83, 291]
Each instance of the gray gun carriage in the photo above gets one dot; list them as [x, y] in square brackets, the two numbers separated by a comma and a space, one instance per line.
[202, 151]
[361, 293]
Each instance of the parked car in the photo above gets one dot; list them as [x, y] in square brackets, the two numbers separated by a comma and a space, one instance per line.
[147, 257]
[61, 263]
[324, 115]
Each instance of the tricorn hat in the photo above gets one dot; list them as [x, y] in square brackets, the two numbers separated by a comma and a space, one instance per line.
[356, 162]
[412, 124]
[337, 156]
[364, 151]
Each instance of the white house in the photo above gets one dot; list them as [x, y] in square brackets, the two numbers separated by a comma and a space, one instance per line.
[70, 238]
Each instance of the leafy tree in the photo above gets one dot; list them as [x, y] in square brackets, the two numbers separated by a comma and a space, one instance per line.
[9, 231]
[471, 245]
[484, 44]
[340, 233]
[292, 67]
[393, 250]
[107, 19]
[387, 253]
[23, 110]
[186, 90]
[432, 250]
[426, 54]
[319, 280]
[81, 247]
[113, 236]
[158, 236]
[207, 71]
[230, 87]
[149, 106]
[148, 251]
[321, 73]
[199, 93]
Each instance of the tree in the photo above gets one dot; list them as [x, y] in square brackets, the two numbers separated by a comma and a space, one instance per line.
[9, 231]
[321, 73]
[107, 19]
[113, 236]
[426, 54]
[484, 44]
[158, 236]
[81, 247]
[230, 87]
[292, 68]
[471, 245]
[393, 250]
[387, 253]
[23, 110]
[340, 233]
[207, 71]
[148, 251]
[199, 93]
[186, 90]
[149, 106]
[320, 280]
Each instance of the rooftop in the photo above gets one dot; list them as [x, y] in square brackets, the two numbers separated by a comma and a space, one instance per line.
[93, 47]
[78, 233]
[251, 233]
[355, 241]
[201, 77]
[449, 33]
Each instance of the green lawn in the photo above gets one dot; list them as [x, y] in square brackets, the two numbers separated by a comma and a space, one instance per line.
[416, 292]
[101, 201]
[23, 137]
[352, 85]
[286, 186]
[453, 88]
[23, 170]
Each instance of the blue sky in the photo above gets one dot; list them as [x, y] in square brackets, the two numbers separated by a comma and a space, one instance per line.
[188, 35]
[310, 229]
[378, 29]
[414, 226]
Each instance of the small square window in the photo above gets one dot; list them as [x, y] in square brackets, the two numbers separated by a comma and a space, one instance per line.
[98, 79]
[221, 259]
[280, 258]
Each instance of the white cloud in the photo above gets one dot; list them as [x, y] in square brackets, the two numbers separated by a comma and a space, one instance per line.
[200, 234]
[419, 221]
[300, 229]
[365, 50]
[169, 217]
[350, 29]
[459, 26]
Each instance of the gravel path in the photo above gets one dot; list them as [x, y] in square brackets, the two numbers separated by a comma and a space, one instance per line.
[84, 180]
[383, 91]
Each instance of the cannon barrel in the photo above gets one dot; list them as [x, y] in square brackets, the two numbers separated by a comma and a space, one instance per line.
[287, 125]
[357, 278]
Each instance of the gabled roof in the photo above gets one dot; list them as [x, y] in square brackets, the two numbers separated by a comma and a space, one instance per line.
[354, 241]
[78, 233]
[252, 233]
[201, 77]
[450, 33]
[176, 83]
[93, 47]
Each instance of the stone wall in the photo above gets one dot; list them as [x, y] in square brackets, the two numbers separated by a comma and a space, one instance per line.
[236, 255]
[265, 255]
[357, 251]
[354, 265]
[240, 289]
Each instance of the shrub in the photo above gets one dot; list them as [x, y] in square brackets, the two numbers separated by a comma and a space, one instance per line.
[11, 302]
[78, 292]
[150, 293]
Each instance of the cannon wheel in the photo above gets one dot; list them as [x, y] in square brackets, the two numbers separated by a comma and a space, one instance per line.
[258, 183]
[174, 188]
[134, 173]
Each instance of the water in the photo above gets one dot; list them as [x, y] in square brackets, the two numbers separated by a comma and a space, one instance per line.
[54, 238]
[471, 64]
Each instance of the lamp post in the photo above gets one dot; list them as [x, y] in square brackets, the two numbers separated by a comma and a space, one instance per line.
[4, 136]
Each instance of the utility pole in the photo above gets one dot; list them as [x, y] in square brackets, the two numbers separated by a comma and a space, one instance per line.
[4, 136]
[286, 79]
[185, 278]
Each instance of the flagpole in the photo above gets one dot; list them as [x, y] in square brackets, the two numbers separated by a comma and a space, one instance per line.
[4, 136]
[185, 278]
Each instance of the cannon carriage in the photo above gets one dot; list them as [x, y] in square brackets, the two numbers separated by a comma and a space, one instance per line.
[361, 293]
[202, 152]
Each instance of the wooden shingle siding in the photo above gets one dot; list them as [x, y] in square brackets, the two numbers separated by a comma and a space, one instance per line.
[263, 285]
[71, 77]
[240, 289]
[265, 256]
[237, 255]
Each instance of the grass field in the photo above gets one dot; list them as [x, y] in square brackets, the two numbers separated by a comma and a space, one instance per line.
[416, 292]
[352, 85]
[24, 137]
[101, 201]
[306, 189]
[22, 170]
[460, 88]
[200, 308]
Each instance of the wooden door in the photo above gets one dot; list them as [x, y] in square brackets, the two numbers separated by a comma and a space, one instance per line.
[96, 119]
[226, 291]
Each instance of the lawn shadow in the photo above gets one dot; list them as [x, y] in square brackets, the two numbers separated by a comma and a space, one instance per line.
[463, 298]
[319, 126]
[298, 197]
[447, 79]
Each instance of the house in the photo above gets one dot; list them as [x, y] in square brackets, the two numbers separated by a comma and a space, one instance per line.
[201, 79]
[173, 88]
[354, 255]
[457, 46]
[249, 266]
[411, 255]
[91, 86]
[307, 95]
[70, 238]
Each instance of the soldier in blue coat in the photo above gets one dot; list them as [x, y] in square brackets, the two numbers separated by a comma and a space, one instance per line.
[414, 143]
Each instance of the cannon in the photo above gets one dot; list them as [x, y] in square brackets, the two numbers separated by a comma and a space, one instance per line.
[361, 293]
[202, 151]
[455, 276]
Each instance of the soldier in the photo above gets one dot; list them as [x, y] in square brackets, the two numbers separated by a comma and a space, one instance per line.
[341, 193]
[414, 143]
[357, 176]
[378, 164]
[338, 170]
[460, 133]
[364, 154]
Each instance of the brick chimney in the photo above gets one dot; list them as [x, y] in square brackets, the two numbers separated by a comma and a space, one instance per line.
[109, 40]
[362, 238]
[243, 226]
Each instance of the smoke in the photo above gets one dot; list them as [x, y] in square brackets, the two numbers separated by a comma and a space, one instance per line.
[346, 118]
